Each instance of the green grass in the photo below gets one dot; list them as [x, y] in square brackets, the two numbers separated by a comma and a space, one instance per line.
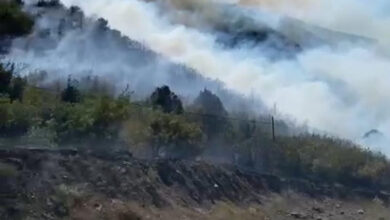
[7, 170]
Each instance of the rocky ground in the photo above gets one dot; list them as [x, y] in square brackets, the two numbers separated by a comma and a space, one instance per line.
[66, 184]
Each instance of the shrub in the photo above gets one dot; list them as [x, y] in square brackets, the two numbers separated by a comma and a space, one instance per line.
[16, 118]
[332, 160]
[94, 117]
[161, 132]
[180, 137]
[7, 171]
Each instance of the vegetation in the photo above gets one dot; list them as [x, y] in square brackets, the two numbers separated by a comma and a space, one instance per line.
[161, 127]
[48, 3]
[166, 100]
[165, 134]
[212, 114]
[70, 93]
[87, 113]
[13, 21]
[7, 170]
[333, 160]
[11, 85]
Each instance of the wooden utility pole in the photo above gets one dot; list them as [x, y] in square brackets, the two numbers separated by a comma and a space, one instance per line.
[273, 128]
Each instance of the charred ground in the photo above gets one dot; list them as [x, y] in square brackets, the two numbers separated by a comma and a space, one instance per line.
[67, 184]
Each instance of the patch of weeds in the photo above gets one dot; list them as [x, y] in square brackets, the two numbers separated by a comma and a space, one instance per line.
[65, 198]
[7, 170]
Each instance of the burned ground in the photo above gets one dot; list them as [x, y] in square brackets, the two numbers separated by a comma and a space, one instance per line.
[67, 184]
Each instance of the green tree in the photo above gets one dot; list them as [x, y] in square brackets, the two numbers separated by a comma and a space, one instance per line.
[16, 90]
[13, 21]
[5, 78]
[212, 113]
[165, 99]
[71, 93]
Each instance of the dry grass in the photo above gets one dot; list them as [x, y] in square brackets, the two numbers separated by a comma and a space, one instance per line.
[275, 207]
[109, 209]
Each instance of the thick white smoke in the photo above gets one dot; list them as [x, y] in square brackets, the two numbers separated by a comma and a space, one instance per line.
[343, 90]
[366, 18]
[65, 42]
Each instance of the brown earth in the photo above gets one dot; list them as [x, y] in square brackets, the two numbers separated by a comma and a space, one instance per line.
[66, 184]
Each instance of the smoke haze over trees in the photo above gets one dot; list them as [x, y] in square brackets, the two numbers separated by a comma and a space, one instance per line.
[66, 89]
[332, 75]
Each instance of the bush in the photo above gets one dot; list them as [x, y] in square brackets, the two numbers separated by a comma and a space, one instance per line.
[163, 133]
[16, 118]
[94, 117]
[7, 170]
[332, 160]
[180, 137]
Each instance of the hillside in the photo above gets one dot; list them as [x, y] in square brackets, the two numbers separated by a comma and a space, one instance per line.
[96, 125]
[66, 37]
[66, 184]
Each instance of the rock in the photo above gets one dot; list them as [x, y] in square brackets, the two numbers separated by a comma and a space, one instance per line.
[297, 215]
[13, 211]
[61, 211]
[98, 207]
[122, 170]
[47, 216]
[360, 211]
[378, 201]
[49, 202]
[318, 209]
[252, 210]
[16, 162]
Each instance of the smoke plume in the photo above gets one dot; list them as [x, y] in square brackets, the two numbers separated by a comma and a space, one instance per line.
[324, 63]
[341, 88]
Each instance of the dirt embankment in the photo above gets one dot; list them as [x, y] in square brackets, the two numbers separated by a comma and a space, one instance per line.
[41, 184]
